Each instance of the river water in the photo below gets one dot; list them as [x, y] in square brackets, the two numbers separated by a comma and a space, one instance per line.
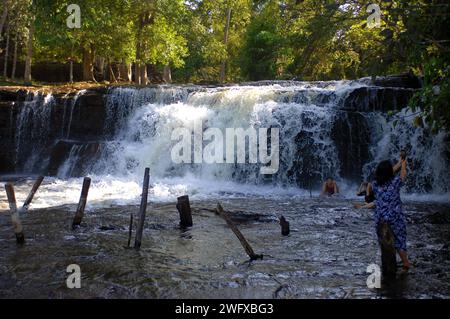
[326, 255]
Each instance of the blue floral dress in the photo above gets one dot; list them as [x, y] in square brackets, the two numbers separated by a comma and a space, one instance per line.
[388, 207]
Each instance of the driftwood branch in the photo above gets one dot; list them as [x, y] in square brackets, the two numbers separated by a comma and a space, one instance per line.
[244, 243]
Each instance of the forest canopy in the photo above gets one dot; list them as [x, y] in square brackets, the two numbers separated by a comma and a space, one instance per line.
[216, 41]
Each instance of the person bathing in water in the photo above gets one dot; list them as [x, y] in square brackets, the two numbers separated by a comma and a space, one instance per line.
[330, 187]
[388, 204]
[366, 190]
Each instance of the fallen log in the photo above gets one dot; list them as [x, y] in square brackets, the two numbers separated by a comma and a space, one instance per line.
[15, 219]
[33, 191]
[244, 243]
[184, 208]
[142, 209]
[82, 203]
[388, 253]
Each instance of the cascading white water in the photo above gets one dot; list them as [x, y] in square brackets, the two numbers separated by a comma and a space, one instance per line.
[69, 109]
[305, 113]
[144, 137]
[428, 155]
[32, 128]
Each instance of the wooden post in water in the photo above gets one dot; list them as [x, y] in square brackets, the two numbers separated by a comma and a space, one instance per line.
[244, 243]
[130, 229]
[142, 210]
[82, 203]
[388, 256]
[310, 187]
[32, 192]
[17, 225]
[284, 226]
[184, 208]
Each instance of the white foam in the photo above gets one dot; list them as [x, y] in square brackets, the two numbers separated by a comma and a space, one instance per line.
[106, 191]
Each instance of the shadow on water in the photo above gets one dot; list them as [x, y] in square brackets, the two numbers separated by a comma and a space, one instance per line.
[325, 256]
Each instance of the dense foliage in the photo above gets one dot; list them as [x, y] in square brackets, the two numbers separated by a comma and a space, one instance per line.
[239, 40]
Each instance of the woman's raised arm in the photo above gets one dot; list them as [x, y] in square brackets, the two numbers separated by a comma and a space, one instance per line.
[403, 170]
[397, 166]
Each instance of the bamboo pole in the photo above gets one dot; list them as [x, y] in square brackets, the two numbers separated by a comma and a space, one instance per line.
[130, 230]
[33, 191]
[244, 243]
[142, 209]
[15, 219]
[82, 203]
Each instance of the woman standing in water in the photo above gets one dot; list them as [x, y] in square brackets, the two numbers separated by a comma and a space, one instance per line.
[388, 205]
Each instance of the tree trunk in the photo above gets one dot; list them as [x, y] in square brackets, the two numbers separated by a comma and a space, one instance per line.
[5, 65]
[71, 65]
[167, 74]
[71, 71]
[88, 65]
[137, 65]
[13, 73]
[137, 73]
[140, 76]
[144, 77]
[124, 71]
[27, 75]
[129, 72]
[116, 69]
[112, 76]
[225, 41]
[100, 68]
[4, 15]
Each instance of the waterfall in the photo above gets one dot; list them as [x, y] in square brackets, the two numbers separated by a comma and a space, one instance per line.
[122, 102]
[428, 155]
[319, 138]
[148, 118]
[79, 160]
[335, 128]
[69, 108]
[33, 127]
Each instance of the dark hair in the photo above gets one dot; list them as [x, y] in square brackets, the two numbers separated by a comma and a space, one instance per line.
[384, 173]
